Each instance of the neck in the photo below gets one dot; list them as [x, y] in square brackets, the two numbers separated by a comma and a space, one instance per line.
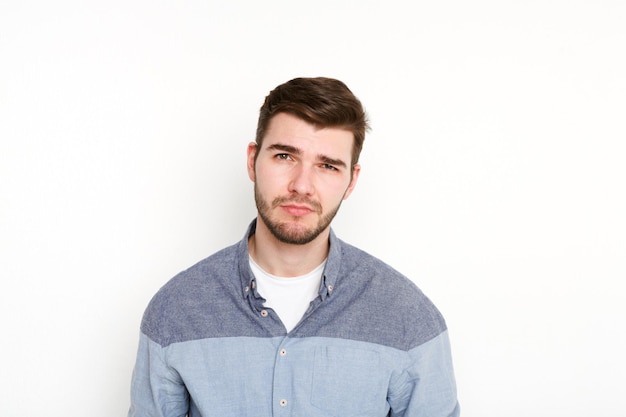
[284, 259]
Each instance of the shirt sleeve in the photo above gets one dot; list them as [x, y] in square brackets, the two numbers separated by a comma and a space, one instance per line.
[156, 389]
[426, 387]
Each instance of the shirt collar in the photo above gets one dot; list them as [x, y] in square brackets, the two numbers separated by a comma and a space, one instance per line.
[329, 276]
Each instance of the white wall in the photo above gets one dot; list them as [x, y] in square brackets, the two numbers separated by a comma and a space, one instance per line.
[494, 177]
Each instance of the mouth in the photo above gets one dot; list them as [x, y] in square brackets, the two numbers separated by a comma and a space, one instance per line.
[296, 209]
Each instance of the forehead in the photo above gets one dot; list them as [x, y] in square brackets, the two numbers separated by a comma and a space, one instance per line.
[288, 129]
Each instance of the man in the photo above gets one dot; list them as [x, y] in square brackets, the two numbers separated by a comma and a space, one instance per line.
[291, 321]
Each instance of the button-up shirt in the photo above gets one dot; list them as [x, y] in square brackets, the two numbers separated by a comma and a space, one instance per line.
[371, 344]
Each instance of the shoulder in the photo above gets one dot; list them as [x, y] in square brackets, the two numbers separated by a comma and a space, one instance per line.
[197, 277]
[376, 273]
[410, 318]
[188, 295]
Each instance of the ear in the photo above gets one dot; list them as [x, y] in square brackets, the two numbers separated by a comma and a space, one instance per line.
[356, 170]
[252, 150]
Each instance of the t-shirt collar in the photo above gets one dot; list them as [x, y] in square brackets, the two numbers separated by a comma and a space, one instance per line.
[329, 276]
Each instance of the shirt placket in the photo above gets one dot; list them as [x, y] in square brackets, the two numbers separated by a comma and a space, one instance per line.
[282, 394]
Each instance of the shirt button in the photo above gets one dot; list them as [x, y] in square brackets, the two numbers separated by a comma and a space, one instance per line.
[283, 352]
[246, 289]
[283, 403]
[253, 284]
[330, 288]
[264, 313]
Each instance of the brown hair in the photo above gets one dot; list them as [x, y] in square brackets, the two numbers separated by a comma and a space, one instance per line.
[323, 102]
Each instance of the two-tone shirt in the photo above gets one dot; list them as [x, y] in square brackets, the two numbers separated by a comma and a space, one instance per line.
[371, 344]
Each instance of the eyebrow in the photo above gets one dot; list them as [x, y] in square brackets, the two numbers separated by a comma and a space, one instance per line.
[286, 148]
[331, 161]
[296, 151]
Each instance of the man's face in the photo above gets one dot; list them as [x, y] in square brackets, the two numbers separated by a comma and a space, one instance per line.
[301, 176]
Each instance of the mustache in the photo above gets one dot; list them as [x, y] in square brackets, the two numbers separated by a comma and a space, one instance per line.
[315, 205]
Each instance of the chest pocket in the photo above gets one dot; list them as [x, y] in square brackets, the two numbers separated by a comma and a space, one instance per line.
[349, 382]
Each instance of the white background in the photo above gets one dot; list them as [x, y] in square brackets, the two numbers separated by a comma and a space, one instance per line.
[494, 177]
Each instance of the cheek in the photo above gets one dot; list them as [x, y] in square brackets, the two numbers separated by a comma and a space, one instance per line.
[334, 191]
[269, 179]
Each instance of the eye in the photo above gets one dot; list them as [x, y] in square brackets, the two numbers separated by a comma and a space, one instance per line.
[283, 156]
[329, 167]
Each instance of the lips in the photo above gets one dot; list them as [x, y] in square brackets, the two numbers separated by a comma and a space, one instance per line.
[297, 206]
[297, 210]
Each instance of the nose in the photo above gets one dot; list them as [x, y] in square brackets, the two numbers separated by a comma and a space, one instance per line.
[301, 181]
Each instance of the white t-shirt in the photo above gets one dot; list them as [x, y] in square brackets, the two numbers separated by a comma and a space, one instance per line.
[288, 297]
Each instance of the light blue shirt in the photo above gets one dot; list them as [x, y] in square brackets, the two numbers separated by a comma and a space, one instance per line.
[371, 344]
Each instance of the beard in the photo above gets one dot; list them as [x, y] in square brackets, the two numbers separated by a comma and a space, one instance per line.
[293, 233]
